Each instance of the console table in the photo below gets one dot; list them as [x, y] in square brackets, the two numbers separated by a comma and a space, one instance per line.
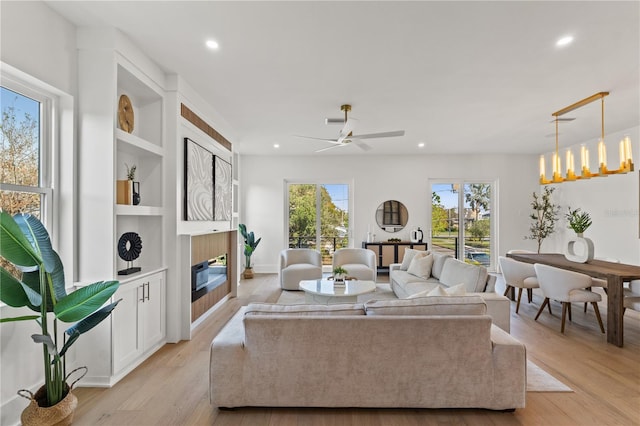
[615, 274]
[389, 252]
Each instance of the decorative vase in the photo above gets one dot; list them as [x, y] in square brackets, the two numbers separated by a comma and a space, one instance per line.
[136, 193]
[60, 414]
[416, 235]
[579, 249]
[248, 273]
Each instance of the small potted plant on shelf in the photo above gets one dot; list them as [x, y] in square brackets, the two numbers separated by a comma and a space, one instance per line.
[578, 221]
[250, 244]
[37, 282]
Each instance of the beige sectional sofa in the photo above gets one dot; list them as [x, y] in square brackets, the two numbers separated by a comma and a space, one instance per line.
[429, 352]
[447, 272]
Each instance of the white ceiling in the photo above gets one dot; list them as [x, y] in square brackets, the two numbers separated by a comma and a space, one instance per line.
[462, 77]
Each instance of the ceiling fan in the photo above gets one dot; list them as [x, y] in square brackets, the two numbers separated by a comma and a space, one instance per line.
[346, 136]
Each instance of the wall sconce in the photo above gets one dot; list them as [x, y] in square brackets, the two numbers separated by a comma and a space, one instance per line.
[624, 149]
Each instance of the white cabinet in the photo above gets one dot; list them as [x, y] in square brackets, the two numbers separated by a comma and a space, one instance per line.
[139, 320]
[109, 66]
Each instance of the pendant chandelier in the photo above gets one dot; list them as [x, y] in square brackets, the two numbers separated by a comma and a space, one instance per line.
[626, 160]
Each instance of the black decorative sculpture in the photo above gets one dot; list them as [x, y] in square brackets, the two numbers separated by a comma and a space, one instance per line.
[129, 249]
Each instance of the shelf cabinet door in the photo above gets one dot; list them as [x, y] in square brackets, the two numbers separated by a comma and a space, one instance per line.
[126, 339]
[153, 312]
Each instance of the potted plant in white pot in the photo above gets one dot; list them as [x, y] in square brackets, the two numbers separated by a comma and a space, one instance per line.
[250, 244]
[41, 288]
[579, 248]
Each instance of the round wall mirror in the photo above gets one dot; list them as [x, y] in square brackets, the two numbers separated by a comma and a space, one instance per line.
[392, 216]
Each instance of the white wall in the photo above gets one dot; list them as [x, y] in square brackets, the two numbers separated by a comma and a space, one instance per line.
[612, 202]
[40, 43]
[376, 179]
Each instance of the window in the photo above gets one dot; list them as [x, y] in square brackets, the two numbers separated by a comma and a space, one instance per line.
[318, 217]
[461, 220]
[25, 146]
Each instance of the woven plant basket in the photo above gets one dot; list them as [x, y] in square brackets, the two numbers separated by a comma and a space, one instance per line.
[60, 414]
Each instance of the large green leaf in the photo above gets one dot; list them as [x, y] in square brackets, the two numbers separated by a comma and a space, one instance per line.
[39, 238]
[23, 318]
[15, 293]
[87, 324]
[14, 246]
[32, 280]
[85, 301]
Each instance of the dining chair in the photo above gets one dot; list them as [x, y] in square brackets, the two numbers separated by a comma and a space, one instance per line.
[632, 296]
[599, 282]
[566, 287]
[518, 275]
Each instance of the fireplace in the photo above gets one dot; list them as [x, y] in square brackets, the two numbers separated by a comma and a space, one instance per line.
[207, 276]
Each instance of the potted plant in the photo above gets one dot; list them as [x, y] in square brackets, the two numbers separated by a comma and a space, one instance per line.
[339, 273]
[250, 244]
[578, 221]
[41, 288]
[544, 216]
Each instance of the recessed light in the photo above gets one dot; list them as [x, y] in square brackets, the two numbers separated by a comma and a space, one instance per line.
[564, 41]
[212, 44]
[275, 145]
[421, 145]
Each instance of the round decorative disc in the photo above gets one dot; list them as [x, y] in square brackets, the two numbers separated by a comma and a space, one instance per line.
[125, 114]
[129, 246]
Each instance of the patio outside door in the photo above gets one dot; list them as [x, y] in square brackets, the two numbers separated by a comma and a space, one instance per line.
[461, 221]
[318, 217]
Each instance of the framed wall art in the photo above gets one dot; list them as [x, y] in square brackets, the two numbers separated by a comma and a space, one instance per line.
[198, 181]
[222, 189]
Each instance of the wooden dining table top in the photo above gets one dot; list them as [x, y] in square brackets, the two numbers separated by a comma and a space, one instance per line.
[595, 268]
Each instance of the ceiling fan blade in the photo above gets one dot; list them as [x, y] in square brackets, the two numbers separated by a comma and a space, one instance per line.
[318, 139]
[380, 135]
[363, 146]
[331, 147]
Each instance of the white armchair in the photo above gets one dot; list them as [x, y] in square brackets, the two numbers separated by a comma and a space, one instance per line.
[518, 275]
[297, 265]
[566, 287]
[359, 263]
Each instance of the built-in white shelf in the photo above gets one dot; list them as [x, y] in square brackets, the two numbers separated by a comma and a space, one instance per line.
[129, 210]
[137, 146]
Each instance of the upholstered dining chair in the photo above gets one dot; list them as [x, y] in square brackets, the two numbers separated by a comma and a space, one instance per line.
[358, 262]
[632, 296]
[566, 287]
[297, 265]
[518, 275]
[599, 282]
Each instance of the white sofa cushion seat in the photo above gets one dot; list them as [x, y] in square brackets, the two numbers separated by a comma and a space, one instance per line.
[304, 310]
[358, 271]
[432, 305]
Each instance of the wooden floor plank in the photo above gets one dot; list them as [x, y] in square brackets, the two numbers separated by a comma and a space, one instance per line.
[171, 387]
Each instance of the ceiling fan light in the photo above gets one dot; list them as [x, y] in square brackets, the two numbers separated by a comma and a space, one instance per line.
[564, 41]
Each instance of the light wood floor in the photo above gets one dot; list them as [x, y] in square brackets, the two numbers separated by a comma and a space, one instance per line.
[171, 388]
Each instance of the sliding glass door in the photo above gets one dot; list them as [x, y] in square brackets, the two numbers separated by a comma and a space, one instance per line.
[461, 220]
[318, 217]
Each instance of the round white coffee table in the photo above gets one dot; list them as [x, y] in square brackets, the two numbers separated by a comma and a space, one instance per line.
[326, 293]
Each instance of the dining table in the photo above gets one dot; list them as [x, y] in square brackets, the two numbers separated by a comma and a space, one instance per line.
[616, 274]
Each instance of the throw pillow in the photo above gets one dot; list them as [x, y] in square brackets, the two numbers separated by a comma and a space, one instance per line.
[409, 254]
[420, 266]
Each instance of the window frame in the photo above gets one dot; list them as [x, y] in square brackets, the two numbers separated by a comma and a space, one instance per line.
[47, 147]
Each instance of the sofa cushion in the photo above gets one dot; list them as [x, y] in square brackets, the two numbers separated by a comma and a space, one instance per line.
[463, 305]
[420, 266]
[409, 254]
[438, 263]
[455, 272]
[305, 310]
[456, 290]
